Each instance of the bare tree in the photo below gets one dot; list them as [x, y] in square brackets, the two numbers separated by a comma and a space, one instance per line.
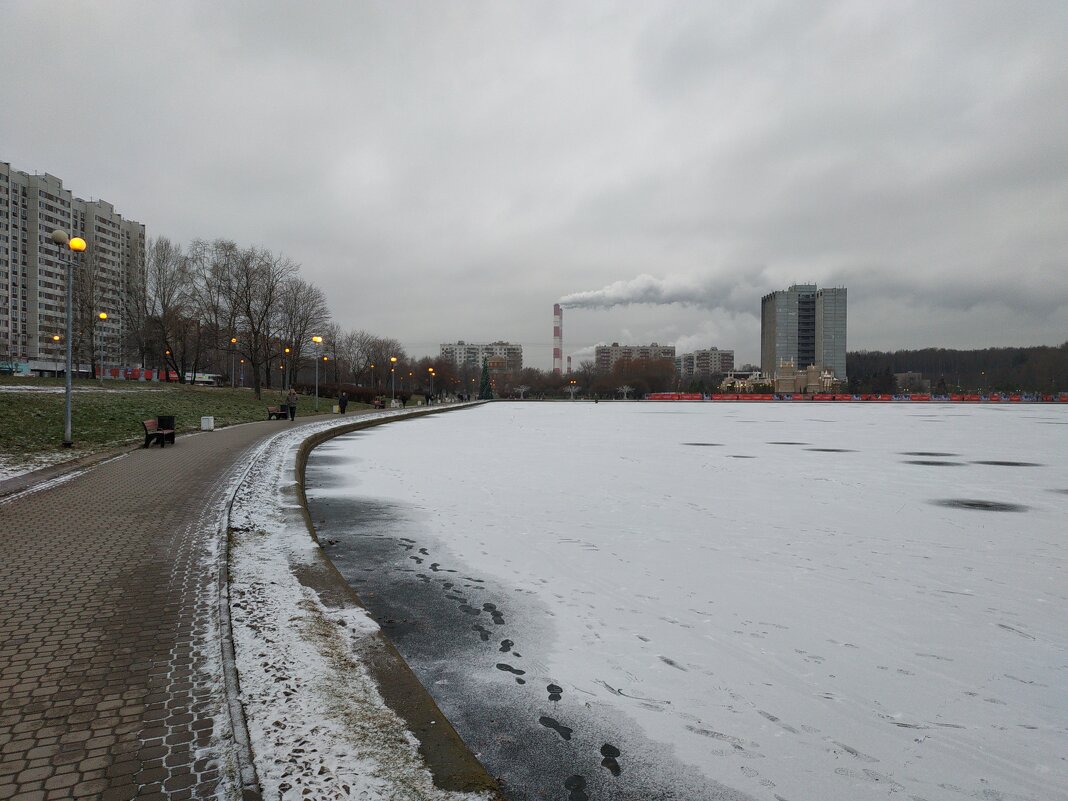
[302, 314]
[357, 349]
[175, 322]
[258, 277]
[212, 294]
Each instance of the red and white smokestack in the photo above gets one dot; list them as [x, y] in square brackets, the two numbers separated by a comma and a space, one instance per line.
[558, 339]
[569, 365]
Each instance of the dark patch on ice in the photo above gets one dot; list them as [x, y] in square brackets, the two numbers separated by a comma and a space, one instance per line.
[610, 761]
[483, 632]
[980, 505]
[1060, 491]
[555, 691]
[1002, 463]
[831, 450]
[576, 785]
[508, 668]
[498, 618]
[506, 646]
[704, 444]
[467, 609]
[556, 726]
[738, 456]
[934, 463]
[672, 663]
[928, 453]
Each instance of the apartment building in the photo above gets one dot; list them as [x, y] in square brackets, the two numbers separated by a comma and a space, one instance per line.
[471, 354]
[704, 363]
[33, 273]
[606, 356]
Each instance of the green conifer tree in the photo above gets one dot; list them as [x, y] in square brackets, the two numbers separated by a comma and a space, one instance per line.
[485, 391]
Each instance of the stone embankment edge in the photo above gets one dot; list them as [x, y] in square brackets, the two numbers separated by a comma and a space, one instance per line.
[451, 763]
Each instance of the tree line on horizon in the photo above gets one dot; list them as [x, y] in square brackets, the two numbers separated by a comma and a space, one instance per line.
[1041, 368]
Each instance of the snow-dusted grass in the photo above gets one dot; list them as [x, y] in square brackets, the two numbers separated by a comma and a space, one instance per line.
[318, 726]
[786, 595]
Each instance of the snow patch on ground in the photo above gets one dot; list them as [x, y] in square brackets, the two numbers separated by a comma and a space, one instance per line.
[11, 468]
[318, 725]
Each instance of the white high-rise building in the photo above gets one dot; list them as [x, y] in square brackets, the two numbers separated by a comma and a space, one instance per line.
[33, 273]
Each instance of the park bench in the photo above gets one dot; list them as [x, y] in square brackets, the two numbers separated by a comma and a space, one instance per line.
[160, 430]
[277, 413]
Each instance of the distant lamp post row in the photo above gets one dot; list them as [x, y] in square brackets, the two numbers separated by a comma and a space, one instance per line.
[233, 355]
[431, 371]
[74, 245]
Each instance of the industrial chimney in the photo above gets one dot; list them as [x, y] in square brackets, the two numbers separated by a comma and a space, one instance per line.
[558, 339]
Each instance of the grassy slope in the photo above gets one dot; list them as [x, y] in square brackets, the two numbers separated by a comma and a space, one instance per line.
[31, 422]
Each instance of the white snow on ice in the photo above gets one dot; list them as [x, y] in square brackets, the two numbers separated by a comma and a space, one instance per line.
[318, 726]
[811, 623]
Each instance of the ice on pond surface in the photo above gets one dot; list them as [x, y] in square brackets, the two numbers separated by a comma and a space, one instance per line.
[802, 609]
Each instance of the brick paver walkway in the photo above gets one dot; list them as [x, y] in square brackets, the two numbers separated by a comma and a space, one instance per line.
[111, 680]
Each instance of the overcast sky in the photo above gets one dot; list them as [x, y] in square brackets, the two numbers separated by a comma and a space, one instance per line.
[449, 170]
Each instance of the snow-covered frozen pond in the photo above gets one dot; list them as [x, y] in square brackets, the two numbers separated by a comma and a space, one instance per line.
[775, 601]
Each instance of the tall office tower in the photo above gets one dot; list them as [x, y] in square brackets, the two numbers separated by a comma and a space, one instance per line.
[831, 330]
[804, 326]
[33, 273]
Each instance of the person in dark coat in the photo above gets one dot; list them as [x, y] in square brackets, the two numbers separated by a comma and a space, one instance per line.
[342, 401]
[291, 402]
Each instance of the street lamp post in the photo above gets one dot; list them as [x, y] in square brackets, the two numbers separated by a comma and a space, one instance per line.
[55, 361]
[77, 245]
[393, 381]
[102, 316]
[318, 345]
[431, 371]
[233, 356]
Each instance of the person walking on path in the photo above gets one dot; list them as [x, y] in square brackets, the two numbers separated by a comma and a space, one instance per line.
[342, 401]
[291, 402]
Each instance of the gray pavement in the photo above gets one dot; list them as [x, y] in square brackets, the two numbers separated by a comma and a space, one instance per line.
[108, 594]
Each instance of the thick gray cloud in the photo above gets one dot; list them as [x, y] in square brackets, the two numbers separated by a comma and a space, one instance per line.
[450, 170]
